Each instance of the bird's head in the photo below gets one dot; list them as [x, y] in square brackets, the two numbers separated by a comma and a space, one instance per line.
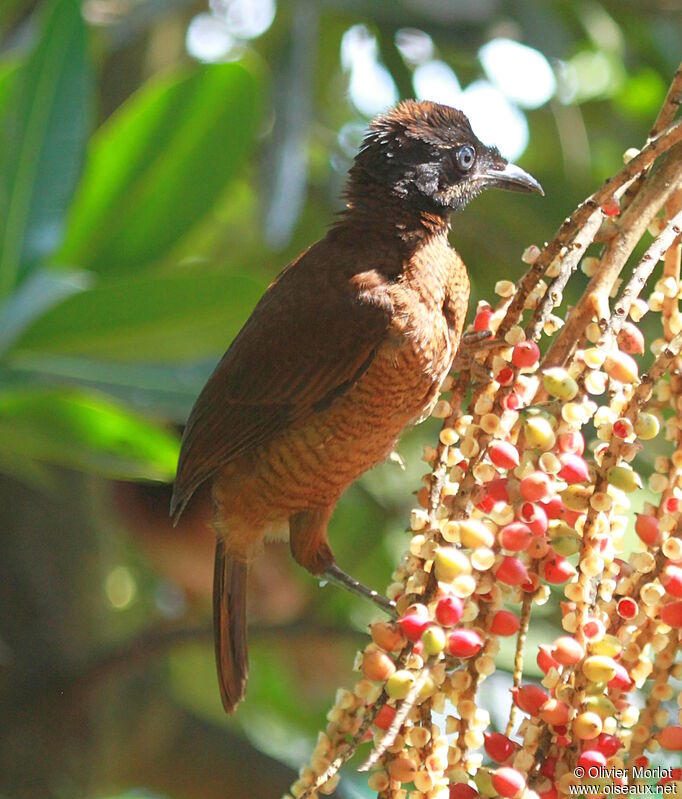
[428, 154]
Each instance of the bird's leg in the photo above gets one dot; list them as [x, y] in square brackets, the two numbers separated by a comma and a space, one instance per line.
[479, 341]
[310, 548]
[339, 577]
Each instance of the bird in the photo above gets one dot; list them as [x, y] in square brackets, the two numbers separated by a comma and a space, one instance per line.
[347, 347]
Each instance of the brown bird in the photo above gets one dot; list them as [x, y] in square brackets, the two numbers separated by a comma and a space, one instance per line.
[347, 347]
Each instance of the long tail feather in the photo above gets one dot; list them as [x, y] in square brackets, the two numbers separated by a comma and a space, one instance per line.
[229, 626]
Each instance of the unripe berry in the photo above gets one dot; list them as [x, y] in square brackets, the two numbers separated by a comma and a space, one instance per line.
[464, 643]
[387, 636]
[559, 383]
[624, 478]
[631, 339]
[433, 639]
[377, 665]
[474, 534]
[402, 769]
[398, 684]
[538, 432]
[621, 367]
[598, 668]
[587, 726]
[647, 426]
[450, 562]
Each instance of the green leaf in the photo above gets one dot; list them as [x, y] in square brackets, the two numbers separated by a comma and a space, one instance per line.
[159, 318]
[40, 291]
[42, 141]
[159, 164]
[83, 431]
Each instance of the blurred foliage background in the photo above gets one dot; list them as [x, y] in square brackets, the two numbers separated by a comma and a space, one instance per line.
[160, 162]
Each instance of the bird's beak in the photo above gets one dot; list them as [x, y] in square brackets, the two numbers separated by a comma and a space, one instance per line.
[510, 177]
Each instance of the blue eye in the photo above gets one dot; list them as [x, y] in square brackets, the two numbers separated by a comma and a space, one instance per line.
[466, 156]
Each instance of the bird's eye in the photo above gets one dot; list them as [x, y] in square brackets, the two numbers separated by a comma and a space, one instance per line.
[466, 156]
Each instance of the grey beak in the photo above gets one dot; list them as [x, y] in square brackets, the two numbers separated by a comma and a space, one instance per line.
[511, 177]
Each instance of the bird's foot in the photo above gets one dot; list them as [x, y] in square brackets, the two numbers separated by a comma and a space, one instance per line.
[339, 577]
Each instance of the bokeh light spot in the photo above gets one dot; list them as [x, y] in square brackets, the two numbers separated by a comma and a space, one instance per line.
[415, 46]
[371, 87]
[521, 73]
[494, 119]
[245, 19]
[208, 39]
[120, 587]
[436, 81]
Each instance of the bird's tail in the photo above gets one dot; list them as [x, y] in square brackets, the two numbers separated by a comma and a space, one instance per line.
[229, 626]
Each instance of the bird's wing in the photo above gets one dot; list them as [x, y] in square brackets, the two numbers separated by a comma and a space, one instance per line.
[308, 341]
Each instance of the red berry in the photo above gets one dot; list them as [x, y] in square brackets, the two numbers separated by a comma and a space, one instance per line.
[464, 643]
[607, 744]
[525, 354]
[627, 608]
[545, 660]
[483, 318]
[515, 536]
[573, 468]
[591, 757]
[497, 489]
[508, 782]
[449, 611]
[646, 527]
[535, 517]
[504, 622]
[460, 790]
[672, 505]
[571, 442]
[553, 507]
[535, 486]
[671, 578]
[505, 376]
[498, 747]
[413, 625]
[503, 454]
[548, 768]
[384, 718]
[556, 570]
[671, 614]
[621, 679]
[512, 402]
[511, 571]
[611, 207]
[529, 698]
